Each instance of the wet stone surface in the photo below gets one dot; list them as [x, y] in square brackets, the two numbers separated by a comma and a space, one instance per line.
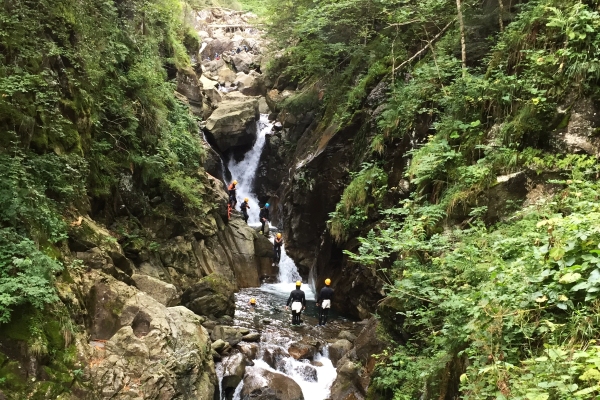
[314, 371]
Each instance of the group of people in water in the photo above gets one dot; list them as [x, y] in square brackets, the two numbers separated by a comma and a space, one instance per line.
[297, 298]
[297, 302]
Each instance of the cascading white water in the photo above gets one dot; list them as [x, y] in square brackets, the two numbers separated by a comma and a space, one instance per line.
[314, 380]
[245, 170]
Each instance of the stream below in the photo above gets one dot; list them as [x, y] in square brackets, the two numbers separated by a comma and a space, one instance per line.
[315, 373]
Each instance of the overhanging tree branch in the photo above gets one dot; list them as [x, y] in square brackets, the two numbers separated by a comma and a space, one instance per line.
[424, 49]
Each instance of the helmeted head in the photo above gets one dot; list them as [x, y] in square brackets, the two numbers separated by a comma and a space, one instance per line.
[328, 281]
[267, 205]
[246, 199]
[279, 236]
[253, 301]
[234, 182]
[298, 284]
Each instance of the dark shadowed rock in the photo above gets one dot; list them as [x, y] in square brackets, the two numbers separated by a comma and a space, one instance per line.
[213, 295]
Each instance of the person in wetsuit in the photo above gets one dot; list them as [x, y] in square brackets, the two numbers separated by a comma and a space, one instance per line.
[324, 302]
[232, 194]
[277, 243]
[263, 216]
[298, 303]
[244, 207]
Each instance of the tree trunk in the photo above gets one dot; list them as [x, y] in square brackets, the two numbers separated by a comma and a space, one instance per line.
[462, 38]
[500, 15]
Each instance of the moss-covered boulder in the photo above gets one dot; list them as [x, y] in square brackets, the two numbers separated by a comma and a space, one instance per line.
[212, 296]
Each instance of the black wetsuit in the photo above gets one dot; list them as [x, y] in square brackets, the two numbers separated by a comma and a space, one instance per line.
[244, 207]
[325, 294]
[263, 216]
[277, 243]
[296, 295]
[232, 195]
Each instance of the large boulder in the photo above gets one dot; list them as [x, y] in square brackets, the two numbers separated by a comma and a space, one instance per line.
[251, 84]
[209, 86]
[212, 296]
[302, 351]
[578, 131]
[338, 350]
[261, 384]
[163, 292]
[230, 334]
[155, 352]
[234, 367]
[275, 357]
[225, 75]
[233, 123]
[243, 62]
[347, 383]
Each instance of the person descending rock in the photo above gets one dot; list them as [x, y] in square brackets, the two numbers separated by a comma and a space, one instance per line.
[232, 194]
[244, 207]
[298, 301]
[324, 302]
[264, 217]
[277, 243]
[252, 303]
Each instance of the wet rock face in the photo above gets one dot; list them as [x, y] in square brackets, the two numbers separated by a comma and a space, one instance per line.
[151, 351]
[261, 384]
[234, 367]
[212, 296]
[302, 351]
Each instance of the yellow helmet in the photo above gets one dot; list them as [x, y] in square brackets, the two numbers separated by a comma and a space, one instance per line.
[328, 281]
[298, 283]
[246, 199]
[235, 182]
[278, 235]
[253, 301]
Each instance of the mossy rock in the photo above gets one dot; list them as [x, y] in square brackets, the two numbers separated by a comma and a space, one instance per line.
[212, 296]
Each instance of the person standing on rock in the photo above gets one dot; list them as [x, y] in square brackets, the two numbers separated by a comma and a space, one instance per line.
[277, 243]
[264, 217]
[298, 302]
[324, 302]
[232, 194]
[244, 207]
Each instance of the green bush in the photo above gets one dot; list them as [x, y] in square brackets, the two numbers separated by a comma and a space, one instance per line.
[25, 274]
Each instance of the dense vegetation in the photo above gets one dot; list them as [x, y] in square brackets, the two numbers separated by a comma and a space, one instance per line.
[87, 105]
[507, 297]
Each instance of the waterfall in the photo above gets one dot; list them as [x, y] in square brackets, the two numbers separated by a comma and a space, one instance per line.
[245, 170]
[288, 272]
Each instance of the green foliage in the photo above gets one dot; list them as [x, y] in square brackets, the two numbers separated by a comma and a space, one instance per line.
[502, 296]
[363, 193]
[25, 274]
[85, 98]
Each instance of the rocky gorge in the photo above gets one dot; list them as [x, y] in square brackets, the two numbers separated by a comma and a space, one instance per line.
[437, 160]
[154, 288]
